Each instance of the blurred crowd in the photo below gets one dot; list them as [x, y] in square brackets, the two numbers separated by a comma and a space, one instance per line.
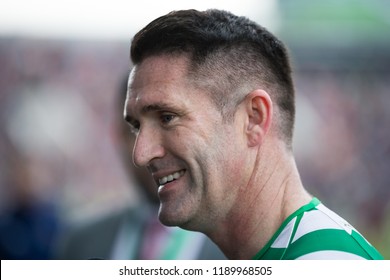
[342, 142]
[59, 165]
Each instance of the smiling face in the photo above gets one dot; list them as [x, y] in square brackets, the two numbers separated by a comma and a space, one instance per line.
[193, 155]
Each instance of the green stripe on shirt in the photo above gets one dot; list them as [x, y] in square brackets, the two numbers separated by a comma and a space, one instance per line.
[344, 239]
[324, 240]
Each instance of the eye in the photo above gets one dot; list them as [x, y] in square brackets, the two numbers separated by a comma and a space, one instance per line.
[166, 118]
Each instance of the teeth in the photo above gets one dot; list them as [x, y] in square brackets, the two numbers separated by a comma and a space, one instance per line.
[171, 177]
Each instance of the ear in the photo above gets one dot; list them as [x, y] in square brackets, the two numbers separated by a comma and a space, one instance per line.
[259, 108]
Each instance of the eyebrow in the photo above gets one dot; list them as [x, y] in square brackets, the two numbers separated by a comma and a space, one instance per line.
[160, 106]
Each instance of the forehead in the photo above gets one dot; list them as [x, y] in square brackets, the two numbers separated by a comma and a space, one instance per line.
[158, 79]
[158, 71]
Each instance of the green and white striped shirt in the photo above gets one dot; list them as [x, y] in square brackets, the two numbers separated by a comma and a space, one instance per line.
[315, 232]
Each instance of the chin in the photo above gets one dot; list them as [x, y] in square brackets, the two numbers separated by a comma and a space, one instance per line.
[171, 218]
[177, 221]
[168, 222]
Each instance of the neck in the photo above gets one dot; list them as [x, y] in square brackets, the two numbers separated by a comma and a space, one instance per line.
[273, 192]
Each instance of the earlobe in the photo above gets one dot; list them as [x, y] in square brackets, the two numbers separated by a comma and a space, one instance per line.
[259, 113]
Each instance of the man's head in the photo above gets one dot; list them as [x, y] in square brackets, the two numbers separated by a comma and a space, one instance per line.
[229, 57]
[201, 101]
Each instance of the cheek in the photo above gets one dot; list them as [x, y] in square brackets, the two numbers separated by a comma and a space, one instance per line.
[206, 147]
[231, 157]
[189, 141]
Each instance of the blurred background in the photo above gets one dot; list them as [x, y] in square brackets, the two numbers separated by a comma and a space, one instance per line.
[61, 65]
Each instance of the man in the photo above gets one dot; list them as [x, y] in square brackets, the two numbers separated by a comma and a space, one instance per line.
[211, 101]
[135, 233]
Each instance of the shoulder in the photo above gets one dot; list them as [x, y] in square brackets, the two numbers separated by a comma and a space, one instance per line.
[322, 234]
[316, 232]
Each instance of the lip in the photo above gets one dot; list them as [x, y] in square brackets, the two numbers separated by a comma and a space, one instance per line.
[166, 187]
[161, 174]
[167, 190]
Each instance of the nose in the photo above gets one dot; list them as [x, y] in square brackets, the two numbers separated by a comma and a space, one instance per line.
[148, 146]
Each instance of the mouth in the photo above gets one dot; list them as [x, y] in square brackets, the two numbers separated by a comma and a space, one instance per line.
[170, 177]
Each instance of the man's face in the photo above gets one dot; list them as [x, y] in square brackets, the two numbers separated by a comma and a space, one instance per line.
[183, 141]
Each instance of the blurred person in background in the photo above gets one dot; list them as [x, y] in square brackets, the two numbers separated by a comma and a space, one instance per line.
[211, 101]
[29, 224]
[135, 232]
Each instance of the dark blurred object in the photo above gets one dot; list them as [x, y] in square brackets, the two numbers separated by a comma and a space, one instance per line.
[28, 231]
[29, 225]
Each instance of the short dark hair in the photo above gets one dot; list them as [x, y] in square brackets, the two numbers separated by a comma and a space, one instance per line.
[229, 56]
